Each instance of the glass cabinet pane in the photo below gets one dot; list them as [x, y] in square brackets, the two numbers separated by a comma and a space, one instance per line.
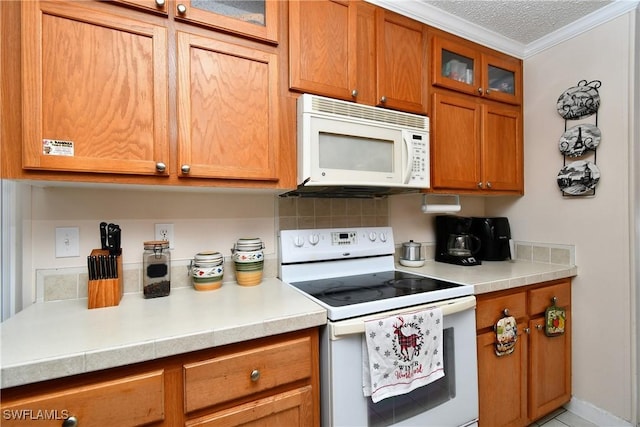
[457, 67]
[501, 80]
[252, 11]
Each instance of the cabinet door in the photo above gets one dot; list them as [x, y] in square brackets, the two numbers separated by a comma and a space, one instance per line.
[502, 78]
[228, 121]
[254, 19]
[549, 368]
[502, 382]
[95, 90]
[401, 62]
[320, 37]
[456, 66]
[292, 408]
[502, 158]
[455, 147]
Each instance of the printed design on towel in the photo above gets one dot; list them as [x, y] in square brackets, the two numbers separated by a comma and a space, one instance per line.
[406, 343]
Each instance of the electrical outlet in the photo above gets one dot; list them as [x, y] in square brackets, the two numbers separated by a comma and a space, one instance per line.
[67, 242]
[165, 232]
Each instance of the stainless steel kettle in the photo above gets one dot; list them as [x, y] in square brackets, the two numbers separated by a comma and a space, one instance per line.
[411, 254]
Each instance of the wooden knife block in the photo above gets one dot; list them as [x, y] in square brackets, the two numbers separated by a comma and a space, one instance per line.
[106, 292]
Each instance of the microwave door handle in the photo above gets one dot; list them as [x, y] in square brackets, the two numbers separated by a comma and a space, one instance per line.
[408, 148]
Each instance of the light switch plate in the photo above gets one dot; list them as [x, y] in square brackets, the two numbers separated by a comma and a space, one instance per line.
[67, 242]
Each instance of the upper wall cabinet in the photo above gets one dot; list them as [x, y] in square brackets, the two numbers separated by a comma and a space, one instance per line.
[349, 50]
[466, 67]
[94, 91]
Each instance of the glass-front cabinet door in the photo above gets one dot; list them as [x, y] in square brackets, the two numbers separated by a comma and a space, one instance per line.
[455, 66]
[502, 79]
[253, 18]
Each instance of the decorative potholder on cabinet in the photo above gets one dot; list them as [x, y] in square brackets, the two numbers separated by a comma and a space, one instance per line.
[506, 335]
[554, 320]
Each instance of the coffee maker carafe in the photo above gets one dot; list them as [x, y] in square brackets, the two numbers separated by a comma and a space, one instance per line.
[454, 242]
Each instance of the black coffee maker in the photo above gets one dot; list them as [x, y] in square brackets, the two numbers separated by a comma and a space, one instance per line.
[455, 243]
[494, 234]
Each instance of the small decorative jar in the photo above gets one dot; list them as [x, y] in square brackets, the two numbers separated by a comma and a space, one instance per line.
[156, 264]
[206, 270]
[248, 260]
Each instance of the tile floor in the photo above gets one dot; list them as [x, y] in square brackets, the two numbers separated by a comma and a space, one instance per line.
[562, 418]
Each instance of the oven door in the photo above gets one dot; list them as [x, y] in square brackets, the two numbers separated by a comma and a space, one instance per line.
[450, 401]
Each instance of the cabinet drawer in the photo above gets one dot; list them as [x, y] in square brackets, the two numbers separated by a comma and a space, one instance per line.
[132, 400]
[541, 298]
[241, 374]
[489, 311]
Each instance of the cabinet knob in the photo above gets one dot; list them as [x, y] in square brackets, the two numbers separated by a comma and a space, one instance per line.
[182, 9]
[255, 375]
[185, 169]
[488, 185]
[70, 422]
[354, 93]
[480, 90]
[488, 91]
[527, 330]
[480, 184]
[383, 99]
[160, 3]
[161, 167]
[505, 311]
[554, 300]
[539, 327]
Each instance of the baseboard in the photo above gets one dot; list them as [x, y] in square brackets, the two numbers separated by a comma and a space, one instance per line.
[594, 414]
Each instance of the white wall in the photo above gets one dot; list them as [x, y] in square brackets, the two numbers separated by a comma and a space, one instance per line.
[600, 227]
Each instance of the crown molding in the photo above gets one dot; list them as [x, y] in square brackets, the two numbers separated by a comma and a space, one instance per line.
[445, 21]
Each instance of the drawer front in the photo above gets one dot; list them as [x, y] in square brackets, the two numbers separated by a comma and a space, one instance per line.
[489, 311]
[241, 374]
[132, 400]
[541, 298]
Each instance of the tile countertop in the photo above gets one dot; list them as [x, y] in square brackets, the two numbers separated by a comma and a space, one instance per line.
[58, 339]
[493, 276]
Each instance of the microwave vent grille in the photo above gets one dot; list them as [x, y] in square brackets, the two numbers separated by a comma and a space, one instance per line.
[365, 112]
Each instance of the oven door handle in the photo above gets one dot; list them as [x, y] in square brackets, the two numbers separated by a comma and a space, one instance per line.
[356, 326]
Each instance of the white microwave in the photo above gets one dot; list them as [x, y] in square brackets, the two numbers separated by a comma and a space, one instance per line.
[345, 144]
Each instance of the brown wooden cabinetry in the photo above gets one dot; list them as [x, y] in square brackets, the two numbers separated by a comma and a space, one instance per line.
[233, 385]
[535, 379]
[176, 100]
[476, 145]
[349, 50]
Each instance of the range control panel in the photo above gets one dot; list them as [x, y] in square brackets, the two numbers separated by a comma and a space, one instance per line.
[335, 243]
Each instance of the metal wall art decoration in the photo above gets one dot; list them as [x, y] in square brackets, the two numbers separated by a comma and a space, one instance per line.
[580, 142]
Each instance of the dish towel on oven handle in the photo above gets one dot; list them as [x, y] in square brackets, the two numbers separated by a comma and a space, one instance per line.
[401, 353]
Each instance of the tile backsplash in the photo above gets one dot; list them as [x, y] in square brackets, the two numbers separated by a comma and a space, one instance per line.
[301, 212]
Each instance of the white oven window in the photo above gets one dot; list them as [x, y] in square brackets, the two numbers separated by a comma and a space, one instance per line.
[399, 408]
[345, 152]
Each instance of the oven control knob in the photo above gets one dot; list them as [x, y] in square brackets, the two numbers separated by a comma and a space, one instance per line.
[314, 239]
[373, 236]
[383, 237]
[298, 241]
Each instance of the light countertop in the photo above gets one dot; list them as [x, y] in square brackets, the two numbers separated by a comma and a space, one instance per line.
[493, 276]
[58, 339]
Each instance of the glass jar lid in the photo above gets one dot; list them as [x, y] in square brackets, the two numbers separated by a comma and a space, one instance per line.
[156, 244]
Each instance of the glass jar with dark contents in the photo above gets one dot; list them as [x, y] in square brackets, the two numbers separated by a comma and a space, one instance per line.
[156, 277]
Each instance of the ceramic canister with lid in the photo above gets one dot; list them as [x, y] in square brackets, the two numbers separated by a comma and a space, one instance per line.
[207, 270]
[248, 260]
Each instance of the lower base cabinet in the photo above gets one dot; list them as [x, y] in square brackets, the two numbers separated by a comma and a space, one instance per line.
[535, 379]
[268, 381]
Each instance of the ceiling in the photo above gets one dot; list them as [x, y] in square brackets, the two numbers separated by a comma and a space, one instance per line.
[517, 27]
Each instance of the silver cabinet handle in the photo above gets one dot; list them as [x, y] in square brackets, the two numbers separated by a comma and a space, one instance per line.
[160, 3]
[70, 422]
[488, 91]
[488, 185]
[161, 167]
[480, 184]
[539, 327]
[185, 169]
[527, 330]
[354, 93]
[505, 311]
[182, 9]
[480, 90]
[383, 99]
[255, 375]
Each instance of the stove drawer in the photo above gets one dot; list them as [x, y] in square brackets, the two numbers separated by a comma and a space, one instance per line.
[489, 311]
[240, 374]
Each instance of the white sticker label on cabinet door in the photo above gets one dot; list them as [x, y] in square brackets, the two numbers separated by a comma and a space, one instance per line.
[55, 147]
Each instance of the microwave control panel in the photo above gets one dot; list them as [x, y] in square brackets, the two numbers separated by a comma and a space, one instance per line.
[419, 143]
